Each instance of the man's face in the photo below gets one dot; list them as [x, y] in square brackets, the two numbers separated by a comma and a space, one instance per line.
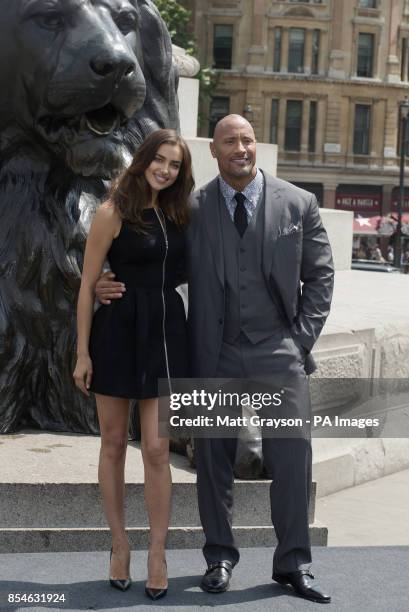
[234, 147]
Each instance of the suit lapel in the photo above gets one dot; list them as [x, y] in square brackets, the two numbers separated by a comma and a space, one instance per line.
[209, 203]
[273, 206]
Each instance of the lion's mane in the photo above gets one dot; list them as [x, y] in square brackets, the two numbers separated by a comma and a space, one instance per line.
[45, 211]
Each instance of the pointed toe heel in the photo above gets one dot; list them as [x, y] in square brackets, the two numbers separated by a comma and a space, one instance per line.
[121, 585]
[155, 593]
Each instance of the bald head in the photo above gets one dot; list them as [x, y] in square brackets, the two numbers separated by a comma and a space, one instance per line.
[234, 147]
[231, 122]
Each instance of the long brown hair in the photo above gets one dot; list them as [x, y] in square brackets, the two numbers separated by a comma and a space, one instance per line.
[131, 192]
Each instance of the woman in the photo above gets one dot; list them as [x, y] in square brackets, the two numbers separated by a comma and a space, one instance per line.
[128, 345]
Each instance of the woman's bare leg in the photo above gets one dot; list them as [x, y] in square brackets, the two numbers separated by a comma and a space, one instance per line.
[113, 416]
[158, 490]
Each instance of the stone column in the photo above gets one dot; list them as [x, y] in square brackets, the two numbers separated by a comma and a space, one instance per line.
[393, 63]
[338, 55]
[377, 137]
[390, 152]
[258, 46]
[270, 48]
[256, 103]
[351, 130]
[323, 52]
[329, 195]
[332, 130]
[320, 134]
[308, 52]
[305, 129]
[285, 34]
[387, 198]
[404, 68]
[282, 108]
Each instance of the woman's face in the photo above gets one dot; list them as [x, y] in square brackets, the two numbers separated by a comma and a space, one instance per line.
[164, 168]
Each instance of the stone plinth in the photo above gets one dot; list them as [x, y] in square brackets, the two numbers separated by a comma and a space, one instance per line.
[366, 337]
[338, 224]
[188, 93]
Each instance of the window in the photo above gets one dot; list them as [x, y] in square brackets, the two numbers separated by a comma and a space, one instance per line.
[274, 121]
[296, 50]
[277, 50]
[367, 3]
[315, 51]
[293, 125]
[362, 129]
[365, 55]
[222, 46]
[219, 108]
[312, 128]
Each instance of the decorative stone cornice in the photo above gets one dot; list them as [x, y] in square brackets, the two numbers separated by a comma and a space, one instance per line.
[282, 76]
[370, 21]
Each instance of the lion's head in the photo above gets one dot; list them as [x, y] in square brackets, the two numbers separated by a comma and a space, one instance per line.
[85, 80]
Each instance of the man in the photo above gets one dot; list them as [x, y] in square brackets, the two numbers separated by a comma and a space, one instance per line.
[252, 240]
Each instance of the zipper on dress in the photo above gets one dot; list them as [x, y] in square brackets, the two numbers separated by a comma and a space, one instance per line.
[162, 223]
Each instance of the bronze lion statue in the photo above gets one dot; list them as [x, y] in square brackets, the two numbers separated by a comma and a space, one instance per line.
[82, 83]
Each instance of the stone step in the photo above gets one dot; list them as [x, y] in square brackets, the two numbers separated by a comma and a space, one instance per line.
[88, 539]
[72, 505]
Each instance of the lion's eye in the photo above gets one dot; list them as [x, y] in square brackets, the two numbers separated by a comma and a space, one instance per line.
[126, 22]
[51, 21]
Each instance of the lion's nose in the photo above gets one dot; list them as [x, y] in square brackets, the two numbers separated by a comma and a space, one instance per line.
[103, 66]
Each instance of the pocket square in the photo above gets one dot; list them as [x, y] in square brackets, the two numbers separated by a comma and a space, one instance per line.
[291, 229]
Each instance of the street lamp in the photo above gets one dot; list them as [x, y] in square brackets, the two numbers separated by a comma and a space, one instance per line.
[404, 114]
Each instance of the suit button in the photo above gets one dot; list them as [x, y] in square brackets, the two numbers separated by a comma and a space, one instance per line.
[244, 305]
[243, 288]
[243, 269]
[242, 250]
[220, 321]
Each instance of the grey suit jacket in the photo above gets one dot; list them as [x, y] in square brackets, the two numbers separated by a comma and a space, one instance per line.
[295, 248]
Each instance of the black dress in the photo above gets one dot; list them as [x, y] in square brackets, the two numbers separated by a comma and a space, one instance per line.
[142, 336]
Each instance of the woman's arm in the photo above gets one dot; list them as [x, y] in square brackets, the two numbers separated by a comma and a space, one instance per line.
[104, 228]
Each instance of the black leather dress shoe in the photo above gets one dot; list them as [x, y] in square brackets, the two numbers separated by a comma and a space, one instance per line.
[301, 581]
[217, 577]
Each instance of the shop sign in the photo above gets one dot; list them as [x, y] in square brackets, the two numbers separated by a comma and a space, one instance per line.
[358, 203]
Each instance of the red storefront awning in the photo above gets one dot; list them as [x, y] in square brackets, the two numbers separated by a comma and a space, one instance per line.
[364, 224]
[375, 225]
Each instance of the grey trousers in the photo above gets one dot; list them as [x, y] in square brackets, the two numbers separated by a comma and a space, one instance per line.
[287, 461]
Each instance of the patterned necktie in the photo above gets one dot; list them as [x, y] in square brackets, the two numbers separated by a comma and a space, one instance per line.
[240, 214]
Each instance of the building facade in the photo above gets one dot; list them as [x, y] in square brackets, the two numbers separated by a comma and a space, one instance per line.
[322, 79]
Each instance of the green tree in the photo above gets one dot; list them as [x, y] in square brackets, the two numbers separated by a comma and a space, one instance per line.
[177, 19]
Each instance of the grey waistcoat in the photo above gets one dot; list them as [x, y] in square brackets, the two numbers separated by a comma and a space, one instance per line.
[248, 306]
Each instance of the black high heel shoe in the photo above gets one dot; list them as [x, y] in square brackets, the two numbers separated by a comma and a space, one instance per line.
[122, 585]
[154, 593]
